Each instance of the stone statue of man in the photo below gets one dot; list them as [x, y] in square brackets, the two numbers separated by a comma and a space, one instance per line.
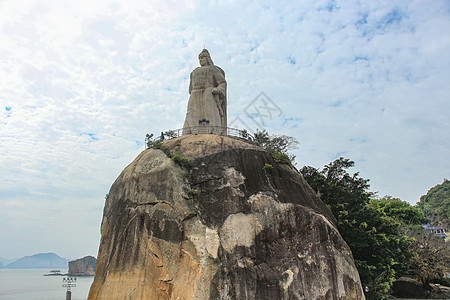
[208, 100]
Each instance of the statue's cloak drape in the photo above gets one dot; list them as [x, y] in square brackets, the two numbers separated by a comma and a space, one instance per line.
[202, 103]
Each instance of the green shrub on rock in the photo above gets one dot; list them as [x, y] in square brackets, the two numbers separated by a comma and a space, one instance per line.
[182, 160]
[278, 145]
[281, 158]
[267, 166]
[194, 192]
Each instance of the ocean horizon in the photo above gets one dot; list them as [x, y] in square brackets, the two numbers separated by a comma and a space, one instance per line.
[19, 284]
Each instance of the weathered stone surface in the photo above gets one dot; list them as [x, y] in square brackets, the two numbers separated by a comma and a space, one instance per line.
[82, 267]
[406, 287]
[226, 229]
[208, 96]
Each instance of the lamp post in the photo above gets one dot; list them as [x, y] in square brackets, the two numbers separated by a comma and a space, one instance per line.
[69, 283]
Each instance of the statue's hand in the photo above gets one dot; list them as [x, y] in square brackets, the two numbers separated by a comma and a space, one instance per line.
[215, 91]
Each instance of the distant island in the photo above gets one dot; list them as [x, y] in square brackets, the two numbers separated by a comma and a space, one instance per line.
[83, 267]
[80, 267]
[38, 261]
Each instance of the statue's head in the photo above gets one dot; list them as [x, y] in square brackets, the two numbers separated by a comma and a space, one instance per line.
[205, 58]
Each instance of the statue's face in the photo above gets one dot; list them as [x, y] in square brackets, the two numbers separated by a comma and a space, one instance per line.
[203, 61]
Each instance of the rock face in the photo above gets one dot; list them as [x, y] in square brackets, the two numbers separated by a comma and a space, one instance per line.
[83, 267]
[406, 287]
[226, 229]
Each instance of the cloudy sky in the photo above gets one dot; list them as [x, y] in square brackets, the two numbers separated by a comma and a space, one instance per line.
[82, 82]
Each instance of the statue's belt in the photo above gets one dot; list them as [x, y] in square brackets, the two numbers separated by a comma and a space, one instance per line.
[202, 89]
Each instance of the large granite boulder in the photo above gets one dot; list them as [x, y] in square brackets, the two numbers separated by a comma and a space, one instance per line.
[230, 227]
[82, 267]
[406, 287]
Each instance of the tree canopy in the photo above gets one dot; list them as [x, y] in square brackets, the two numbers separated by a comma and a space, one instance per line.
[430, 261]
[278, 144]
[436, 203]
[399, 210]
[366, 224]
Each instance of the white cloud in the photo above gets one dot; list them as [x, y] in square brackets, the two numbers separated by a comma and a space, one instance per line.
[83, 82]
[16, 203]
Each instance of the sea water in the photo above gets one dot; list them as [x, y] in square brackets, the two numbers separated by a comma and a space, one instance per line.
[30, 284]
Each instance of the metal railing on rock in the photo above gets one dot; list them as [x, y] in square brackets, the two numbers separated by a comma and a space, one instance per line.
[201, 129]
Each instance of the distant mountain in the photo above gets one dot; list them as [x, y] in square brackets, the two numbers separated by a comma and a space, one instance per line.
[39, 261]
[5, 261]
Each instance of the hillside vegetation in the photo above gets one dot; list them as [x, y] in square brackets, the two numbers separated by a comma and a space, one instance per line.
[436, 203]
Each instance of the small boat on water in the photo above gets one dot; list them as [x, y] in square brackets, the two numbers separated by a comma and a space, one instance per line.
[55, 273]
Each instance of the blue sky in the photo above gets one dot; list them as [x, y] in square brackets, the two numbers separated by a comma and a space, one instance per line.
[83, 82]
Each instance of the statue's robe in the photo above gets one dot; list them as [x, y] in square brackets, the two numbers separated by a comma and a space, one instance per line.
[203, 104]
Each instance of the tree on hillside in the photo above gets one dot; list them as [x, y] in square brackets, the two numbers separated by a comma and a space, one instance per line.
[278, 144]
[429, 255]
[399, 210]
[407, 219]
[436, 204]
[430, 261]
[368, 227]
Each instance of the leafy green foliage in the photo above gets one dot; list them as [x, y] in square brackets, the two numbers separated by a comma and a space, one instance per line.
[436, 203]
[430, 261]
[245, 134]
[157, 143]
[267, 166]
[160, 146]
[431, 254]
[182, 160]
[281, 158]
[194, 192]
[428, 256]
[370, 227]
[277, 144]
[149, 140]
[399, 210]
[176, 157]
[170, 134]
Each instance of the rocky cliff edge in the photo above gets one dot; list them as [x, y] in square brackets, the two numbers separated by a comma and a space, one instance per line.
[82, 267]
[236, 225]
